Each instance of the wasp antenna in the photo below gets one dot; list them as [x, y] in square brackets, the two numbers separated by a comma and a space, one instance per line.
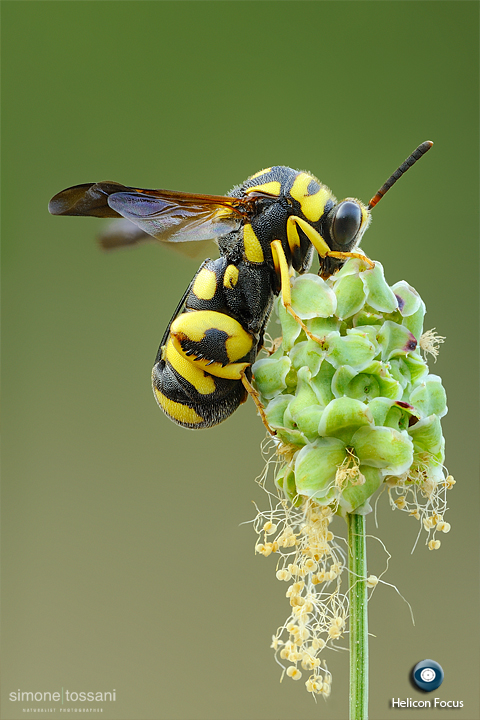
[411, 160]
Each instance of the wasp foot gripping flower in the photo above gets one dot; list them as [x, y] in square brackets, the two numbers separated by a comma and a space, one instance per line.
[354, 409]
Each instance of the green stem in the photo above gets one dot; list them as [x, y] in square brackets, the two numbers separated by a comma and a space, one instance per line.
[357, 565]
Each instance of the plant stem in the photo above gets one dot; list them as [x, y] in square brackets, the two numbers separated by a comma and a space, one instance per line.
[357, 565]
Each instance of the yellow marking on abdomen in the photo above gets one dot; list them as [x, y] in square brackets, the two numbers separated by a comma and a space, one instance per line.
[177, 411]
[203, 384]
[194, 325]
[271, 188]
[262, 172]
[253, 249]
[312, 206]
[205, 284]
[230, 277]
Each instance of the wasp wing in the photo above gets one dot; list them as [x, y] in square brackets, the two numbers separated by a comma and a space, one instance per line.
[163, 214]
[123, 233]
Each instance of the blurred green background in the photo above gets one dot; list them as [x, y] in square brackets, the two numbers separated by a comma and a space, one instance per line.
[125, 562]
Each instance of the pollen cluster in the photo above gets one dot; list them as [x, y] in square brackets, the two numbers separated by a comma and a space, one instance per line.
[310, 563]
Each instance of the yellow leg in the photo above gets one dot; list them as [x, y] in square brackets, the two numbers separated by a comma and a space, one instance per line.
[256, 399]
[280, 262]
[317, 241]
[346, 255]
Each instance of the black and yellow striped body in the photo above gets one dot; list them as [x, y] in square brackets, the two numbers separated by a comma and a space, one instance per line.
[197, 372]
[197, 380]
[270, 224]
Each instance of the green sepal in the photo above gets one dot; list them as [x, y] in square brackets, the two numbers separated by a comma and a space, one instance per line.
[367, 317]
[399, 371]
[275, 410]
[315, 468]
[427, 435]
[354, 350]
[384, 448]
[379, 295]
[414, 322]
[407, 297]
[304, 396]
[395, 340]
[270, 374]
[285, 480]
[291, 436]
[367, 331]
[417, 367]
[322, 383]
[379, 407]
[353, 266]
[321, 327]
[350, 295]
[389, 386]
[290, 327]
[311, 297]
[355, 496]
[342, 379]
[429, 397]
[307, 353]
[342, 418]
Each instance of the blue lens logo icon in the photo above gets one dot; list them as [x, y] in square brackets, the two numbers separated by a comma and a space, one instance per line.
[427, 675]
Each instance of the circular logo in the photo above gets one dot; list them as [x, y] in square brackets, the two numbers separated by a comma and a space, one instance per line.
[428, 675]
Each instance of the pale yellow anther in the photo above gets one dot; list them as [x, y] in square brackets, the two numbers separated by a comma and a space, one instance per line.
[434, 544]
[310, 685]
[294, 672]
[329, 536]
[334, 632]
[265, 550]
[310, 565]
[298, 587]
[269, 528]
[443, 527]
[429, 522]
[372, 581]
[304, 633]
[400, 502]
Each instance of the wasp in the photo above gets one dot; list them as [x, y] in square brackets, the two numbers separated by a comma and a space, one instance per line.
[271, 223]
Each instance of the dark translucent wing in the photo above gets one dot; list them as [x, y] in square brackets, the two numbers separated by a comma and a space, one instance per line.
[163, 214]
[88, 199]
[123, 233]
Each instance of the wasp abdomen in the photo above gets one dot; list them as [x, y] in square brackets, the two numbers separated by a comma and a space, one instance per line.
[197, 378]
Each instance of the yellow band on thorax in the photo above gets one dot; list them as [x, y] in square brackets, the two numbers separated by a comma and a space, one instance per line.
[251, 244]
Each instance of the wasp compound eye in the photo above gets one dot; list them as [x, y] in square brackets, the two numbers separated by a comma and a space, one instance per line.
[346, 222]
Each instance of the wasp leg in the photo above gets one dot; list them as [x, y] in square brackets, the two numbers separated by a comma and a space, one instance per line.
[256, 399]
[317, 241]
[280, 262]
[315, 238]
[346, 255]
